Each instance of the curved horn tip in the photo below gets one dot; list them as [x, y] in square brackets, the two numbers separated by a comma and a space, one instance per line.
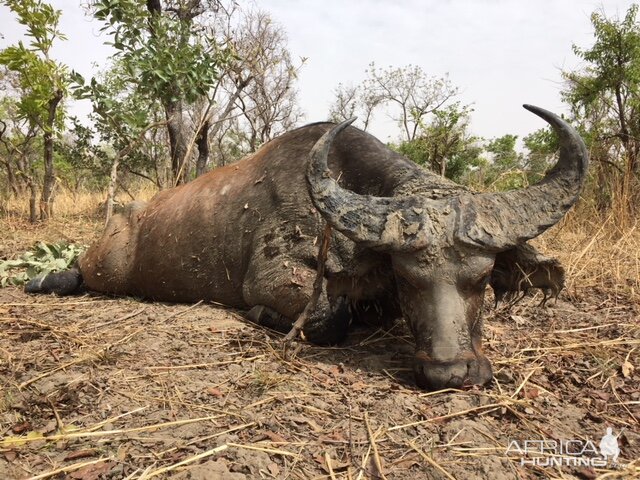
[546, 115]
[322, 145]
[346, 123]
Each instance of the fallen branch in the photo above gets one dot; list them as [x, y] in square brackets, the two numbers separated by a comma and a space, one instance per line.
[297, 327]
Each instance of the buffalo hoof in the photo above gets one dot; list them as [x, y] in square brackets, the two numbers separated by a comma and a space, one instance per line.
[433, 375]
[60, 283]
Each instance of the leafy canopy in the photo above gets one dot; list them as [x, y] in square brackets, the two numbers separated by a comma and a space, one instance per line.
[165, 56]
[39, 75]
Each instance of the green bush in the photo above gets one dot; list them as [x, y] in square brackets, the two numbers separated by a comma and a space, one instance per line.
[43, 259]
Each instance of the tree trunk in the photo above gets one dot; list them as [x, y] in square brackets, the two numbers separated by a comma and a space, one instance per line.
[11, 178]
[29, 182]
[33, 200]
[203, 149]
[178, 141]
[46, 203]
[111, 189]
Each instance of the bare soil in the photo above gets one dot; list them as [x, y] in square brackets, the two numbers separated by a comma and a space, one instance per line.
[96, 387]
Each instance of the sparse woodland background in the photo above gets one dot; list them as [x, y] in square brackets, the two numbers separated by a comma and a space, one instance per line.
[196, 84]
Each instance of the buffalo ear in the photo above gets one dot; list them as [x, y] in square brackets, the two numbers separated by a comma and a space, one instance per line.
[520, 268]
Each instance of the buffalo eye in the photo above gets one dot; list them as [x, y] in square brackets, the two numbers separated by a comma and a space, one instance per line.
[477, 283]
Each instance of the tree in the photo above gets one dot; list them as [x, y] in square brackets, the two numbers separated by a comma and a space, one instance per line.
[605, 97]
[505, 170]
[255, 99]
[411, 93]
[43, 82]
[168, 60]
[411, 96]
[542, 146]
[18, 144]
[350, 101]
[122, 117]
[268, 102]
[445, 145]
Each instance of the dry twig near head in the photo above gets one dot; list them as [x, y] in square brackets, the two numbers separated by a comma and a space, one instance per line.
[325, 240]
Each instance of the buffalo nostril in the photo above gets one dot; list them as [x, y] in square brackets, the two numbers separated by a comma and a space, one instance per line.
[455, 381]
[434, 375]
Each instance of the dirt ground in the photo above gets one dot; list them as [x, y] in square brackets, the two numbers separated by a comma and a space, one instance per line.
[97, 387]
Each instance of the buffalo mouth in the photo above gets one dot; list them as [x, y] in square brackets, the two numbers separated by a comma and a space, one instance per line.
[464, 371]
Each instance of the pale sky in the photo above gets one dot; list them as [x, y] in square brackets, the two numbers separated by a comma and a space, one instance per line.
[501, 53]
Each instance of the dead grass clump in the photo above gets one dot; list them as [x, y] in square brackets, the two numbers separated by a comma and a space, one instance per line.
[82, 203]
[78, 218]
[597, 253]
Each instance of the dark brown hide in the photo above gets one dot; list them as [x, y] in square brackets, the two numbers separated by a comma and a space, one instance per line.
[223, 235]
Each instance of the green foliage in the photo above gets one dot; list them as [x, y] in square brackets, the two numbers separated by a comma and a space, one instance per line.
[605, 100]
[164, 60]
[606, 93]
[39, 75]
[505, 170]
[79, 161]
[445, 145]
[43, 259]
[503, 150]
[120, 112]
[614, 58]
[501, 168]
[542, 146]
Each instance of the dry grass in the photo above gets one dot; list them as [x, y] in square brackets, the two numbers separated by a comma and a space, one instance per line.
[597, 254]
[78, 218]
[82, 204]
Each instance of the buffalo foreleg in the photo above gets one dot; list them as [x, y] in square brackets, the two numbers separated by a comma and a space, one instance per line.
[279, 293]
[327, 324]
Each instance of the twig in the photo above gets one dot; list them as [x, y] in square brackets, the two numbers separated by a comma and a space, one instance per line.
[208, 437]
[70, 468]
[524, 382]
[186, 461]
[376, 457]
[363, 465]
[327, 460]
[67, 436]
[317, 286]
[450, 415]
[182, 312]
[117, 320]
[202, 365]
[261, 449]
[49, 372]
[431, 461]
[59, 422]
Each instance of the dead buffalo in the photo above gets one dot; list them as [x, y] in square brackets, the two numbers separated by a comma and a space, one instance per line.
[410, 243]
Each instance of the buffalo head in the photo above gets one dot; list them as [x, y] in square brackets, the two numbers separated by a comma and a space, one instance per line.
[443, 250]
